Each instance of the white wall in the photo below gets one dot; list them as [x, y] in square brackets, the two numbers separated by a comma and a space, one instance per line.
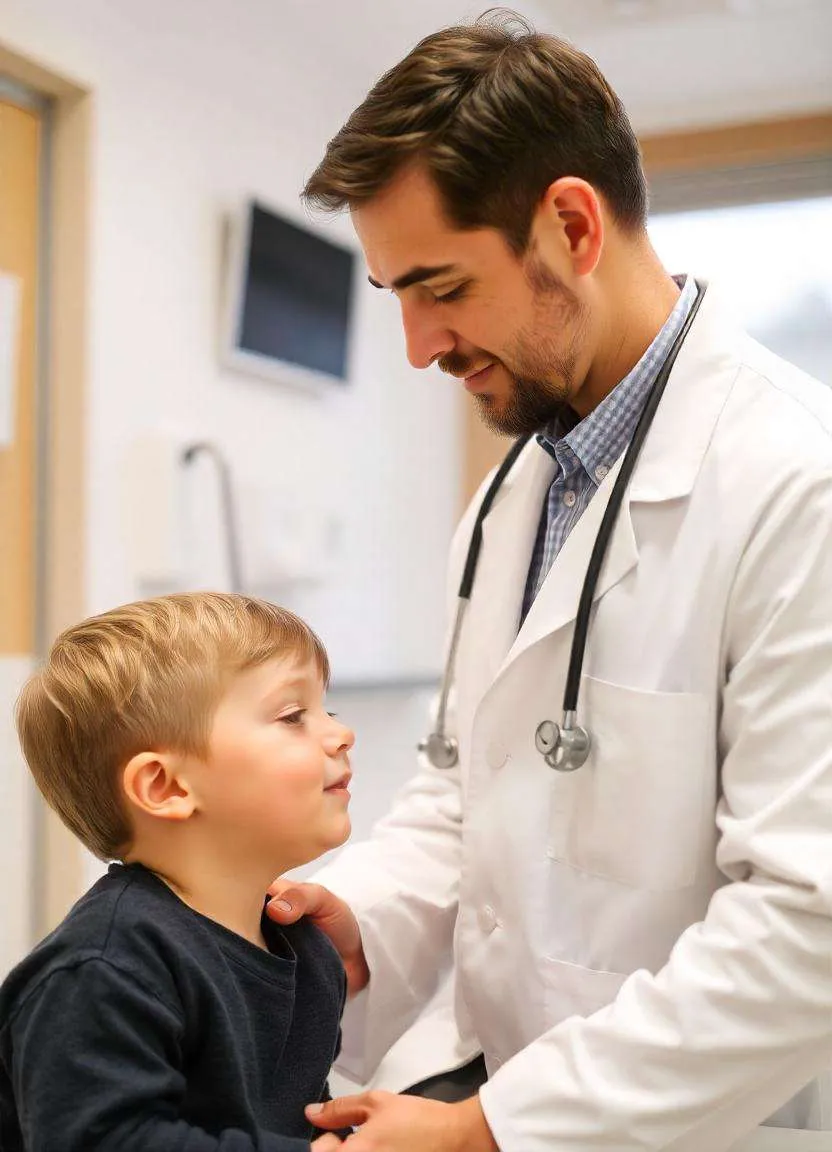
[17, 806]
[196, 106]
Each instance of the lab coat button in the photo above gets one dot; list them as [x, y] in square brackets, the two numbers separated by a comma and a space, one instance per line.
[487, 918]
[495, 754]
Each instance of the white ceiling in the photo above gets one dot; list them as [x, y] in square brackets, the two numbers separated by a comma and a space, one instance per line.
[589, 13]
[675, 63]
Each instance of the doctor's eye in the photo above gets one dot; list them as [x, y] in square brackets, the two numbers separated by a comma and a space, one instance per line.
[454, 294]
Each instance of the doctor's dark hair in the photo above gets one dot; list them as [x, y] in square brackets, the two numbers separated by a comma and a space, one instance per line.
[495, 112]
[144, 677]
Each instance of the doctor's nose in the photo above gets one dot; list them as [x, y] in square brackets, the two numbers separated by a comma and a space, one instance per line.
[425, 339]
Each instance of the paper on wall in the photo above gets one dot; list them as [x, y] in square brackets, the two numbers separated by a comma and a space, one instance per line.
[9, 341]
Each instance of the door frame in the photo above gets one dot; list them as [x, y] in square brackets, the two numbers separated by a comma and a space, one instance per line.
[62, 330]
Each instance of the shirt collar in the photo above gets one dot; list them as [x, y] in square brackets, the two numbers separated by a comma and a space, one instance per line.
[596, 442]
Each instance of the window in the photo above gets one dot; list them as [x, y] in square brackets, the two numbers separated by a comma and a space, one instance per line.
[771, 262]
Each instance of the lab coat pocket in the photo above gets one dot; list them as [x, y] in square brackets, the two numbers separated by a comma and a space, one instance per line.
[575, 991]
[634, 812]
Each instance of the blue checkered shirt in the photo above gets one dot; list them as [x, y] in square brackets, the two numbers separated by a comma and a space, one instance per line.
[585, 452]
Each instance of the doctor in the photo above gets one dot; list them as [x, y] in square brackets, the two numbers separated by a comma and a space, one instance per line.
[642, 947]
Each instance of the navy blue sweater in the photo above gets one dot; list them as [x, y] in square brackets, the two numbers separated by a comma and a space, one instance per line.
[139, 1024]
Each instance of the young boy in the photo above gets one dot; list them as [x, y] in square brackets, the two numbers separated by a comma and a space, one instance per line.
[187, 738]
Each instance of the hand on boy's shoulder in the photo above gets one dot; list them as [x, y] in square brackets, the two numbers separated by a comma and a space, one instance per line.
[289, 901]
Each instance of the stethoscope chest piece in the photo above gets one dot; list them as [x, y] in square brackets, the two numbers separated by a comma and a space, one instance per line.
[442, 751]
[563, 748]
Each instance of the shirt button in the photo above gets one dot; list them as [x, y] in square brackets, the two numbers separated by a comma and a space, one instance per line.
[600, 472]
[487, 919]
[569, 498]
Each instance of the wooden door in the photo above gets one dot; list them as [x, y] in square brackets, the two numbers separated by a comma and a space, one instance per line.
[20, 145]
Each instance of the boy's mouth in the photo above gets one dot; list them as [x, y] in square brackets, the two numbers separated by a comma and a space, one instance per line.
[341, 784]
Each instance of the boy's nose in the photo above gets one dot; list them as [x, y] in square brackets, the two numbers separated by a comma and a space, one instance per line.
[342, 738]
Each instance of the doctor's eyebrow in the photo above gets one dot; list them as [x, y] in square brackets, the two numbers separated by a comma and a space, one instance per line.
[416, 276]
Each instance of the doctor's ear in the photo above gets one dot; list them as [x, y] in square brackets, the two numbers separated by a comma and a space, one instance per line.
[570, 215]
[153, 783]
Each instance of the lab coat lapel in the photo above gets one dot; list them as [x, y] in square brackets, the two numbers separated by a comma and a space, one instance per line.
[509, 533]
[556, 604]
[666, 470]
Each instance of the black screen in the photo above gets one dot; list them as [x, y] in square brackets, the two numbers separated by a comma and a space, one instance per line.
[296, 297]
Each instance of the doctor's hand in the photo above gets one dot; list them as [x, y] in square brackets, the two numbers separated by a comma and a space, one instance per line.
[291, 901]
[391, 1123]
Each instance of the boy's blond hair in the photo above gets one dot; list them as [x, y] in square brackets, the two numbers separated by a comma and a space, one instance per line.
[144, 677]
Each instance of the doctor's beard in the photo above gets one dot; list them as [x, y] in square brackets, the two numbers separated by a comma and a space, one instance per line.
[541, 361]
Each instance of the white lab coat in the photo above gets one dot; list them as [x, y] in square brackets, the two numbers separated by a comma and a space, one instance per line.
[643, 948]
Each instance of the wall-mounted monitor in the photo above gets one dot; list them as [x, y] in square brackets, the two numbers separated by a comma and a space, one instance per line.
[287, 301]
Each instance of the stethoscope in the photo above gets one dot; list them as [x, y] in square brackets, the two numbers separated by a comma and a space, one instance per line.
[563, 746]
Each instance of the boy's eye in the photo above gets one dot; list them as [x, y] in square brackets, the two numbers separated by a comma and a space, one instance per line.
[293, 717]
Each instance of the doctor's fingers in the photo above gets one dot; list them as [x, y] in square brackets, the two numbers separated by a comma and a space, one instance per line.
[328, 1143]
[288, 901]
[390, 1123]
[332, 915]
[346, 1111]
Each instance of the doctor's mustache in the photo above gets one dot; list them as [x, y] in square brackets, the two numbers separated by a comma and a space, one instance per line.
[455, 364]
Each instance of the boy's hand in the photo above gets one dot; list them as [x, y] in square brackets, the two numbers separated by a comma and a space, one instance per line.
[291, 901]
[328, 1143]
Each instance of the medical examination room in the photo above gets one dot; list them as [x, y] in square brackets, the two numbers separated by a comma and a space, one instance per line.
[416, 576]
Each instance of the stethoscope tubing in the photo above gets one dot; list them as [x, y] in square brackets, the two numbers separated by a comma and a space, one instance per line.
[605, 530]
[468, 573]
[600, 547]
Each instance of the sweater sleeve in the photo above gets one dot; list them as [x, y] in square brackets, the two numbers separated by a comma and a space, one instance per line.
[96, 1068]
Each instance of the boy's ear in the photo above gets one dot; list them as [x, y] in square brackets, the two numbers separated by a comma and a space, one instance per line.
[153, 783]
